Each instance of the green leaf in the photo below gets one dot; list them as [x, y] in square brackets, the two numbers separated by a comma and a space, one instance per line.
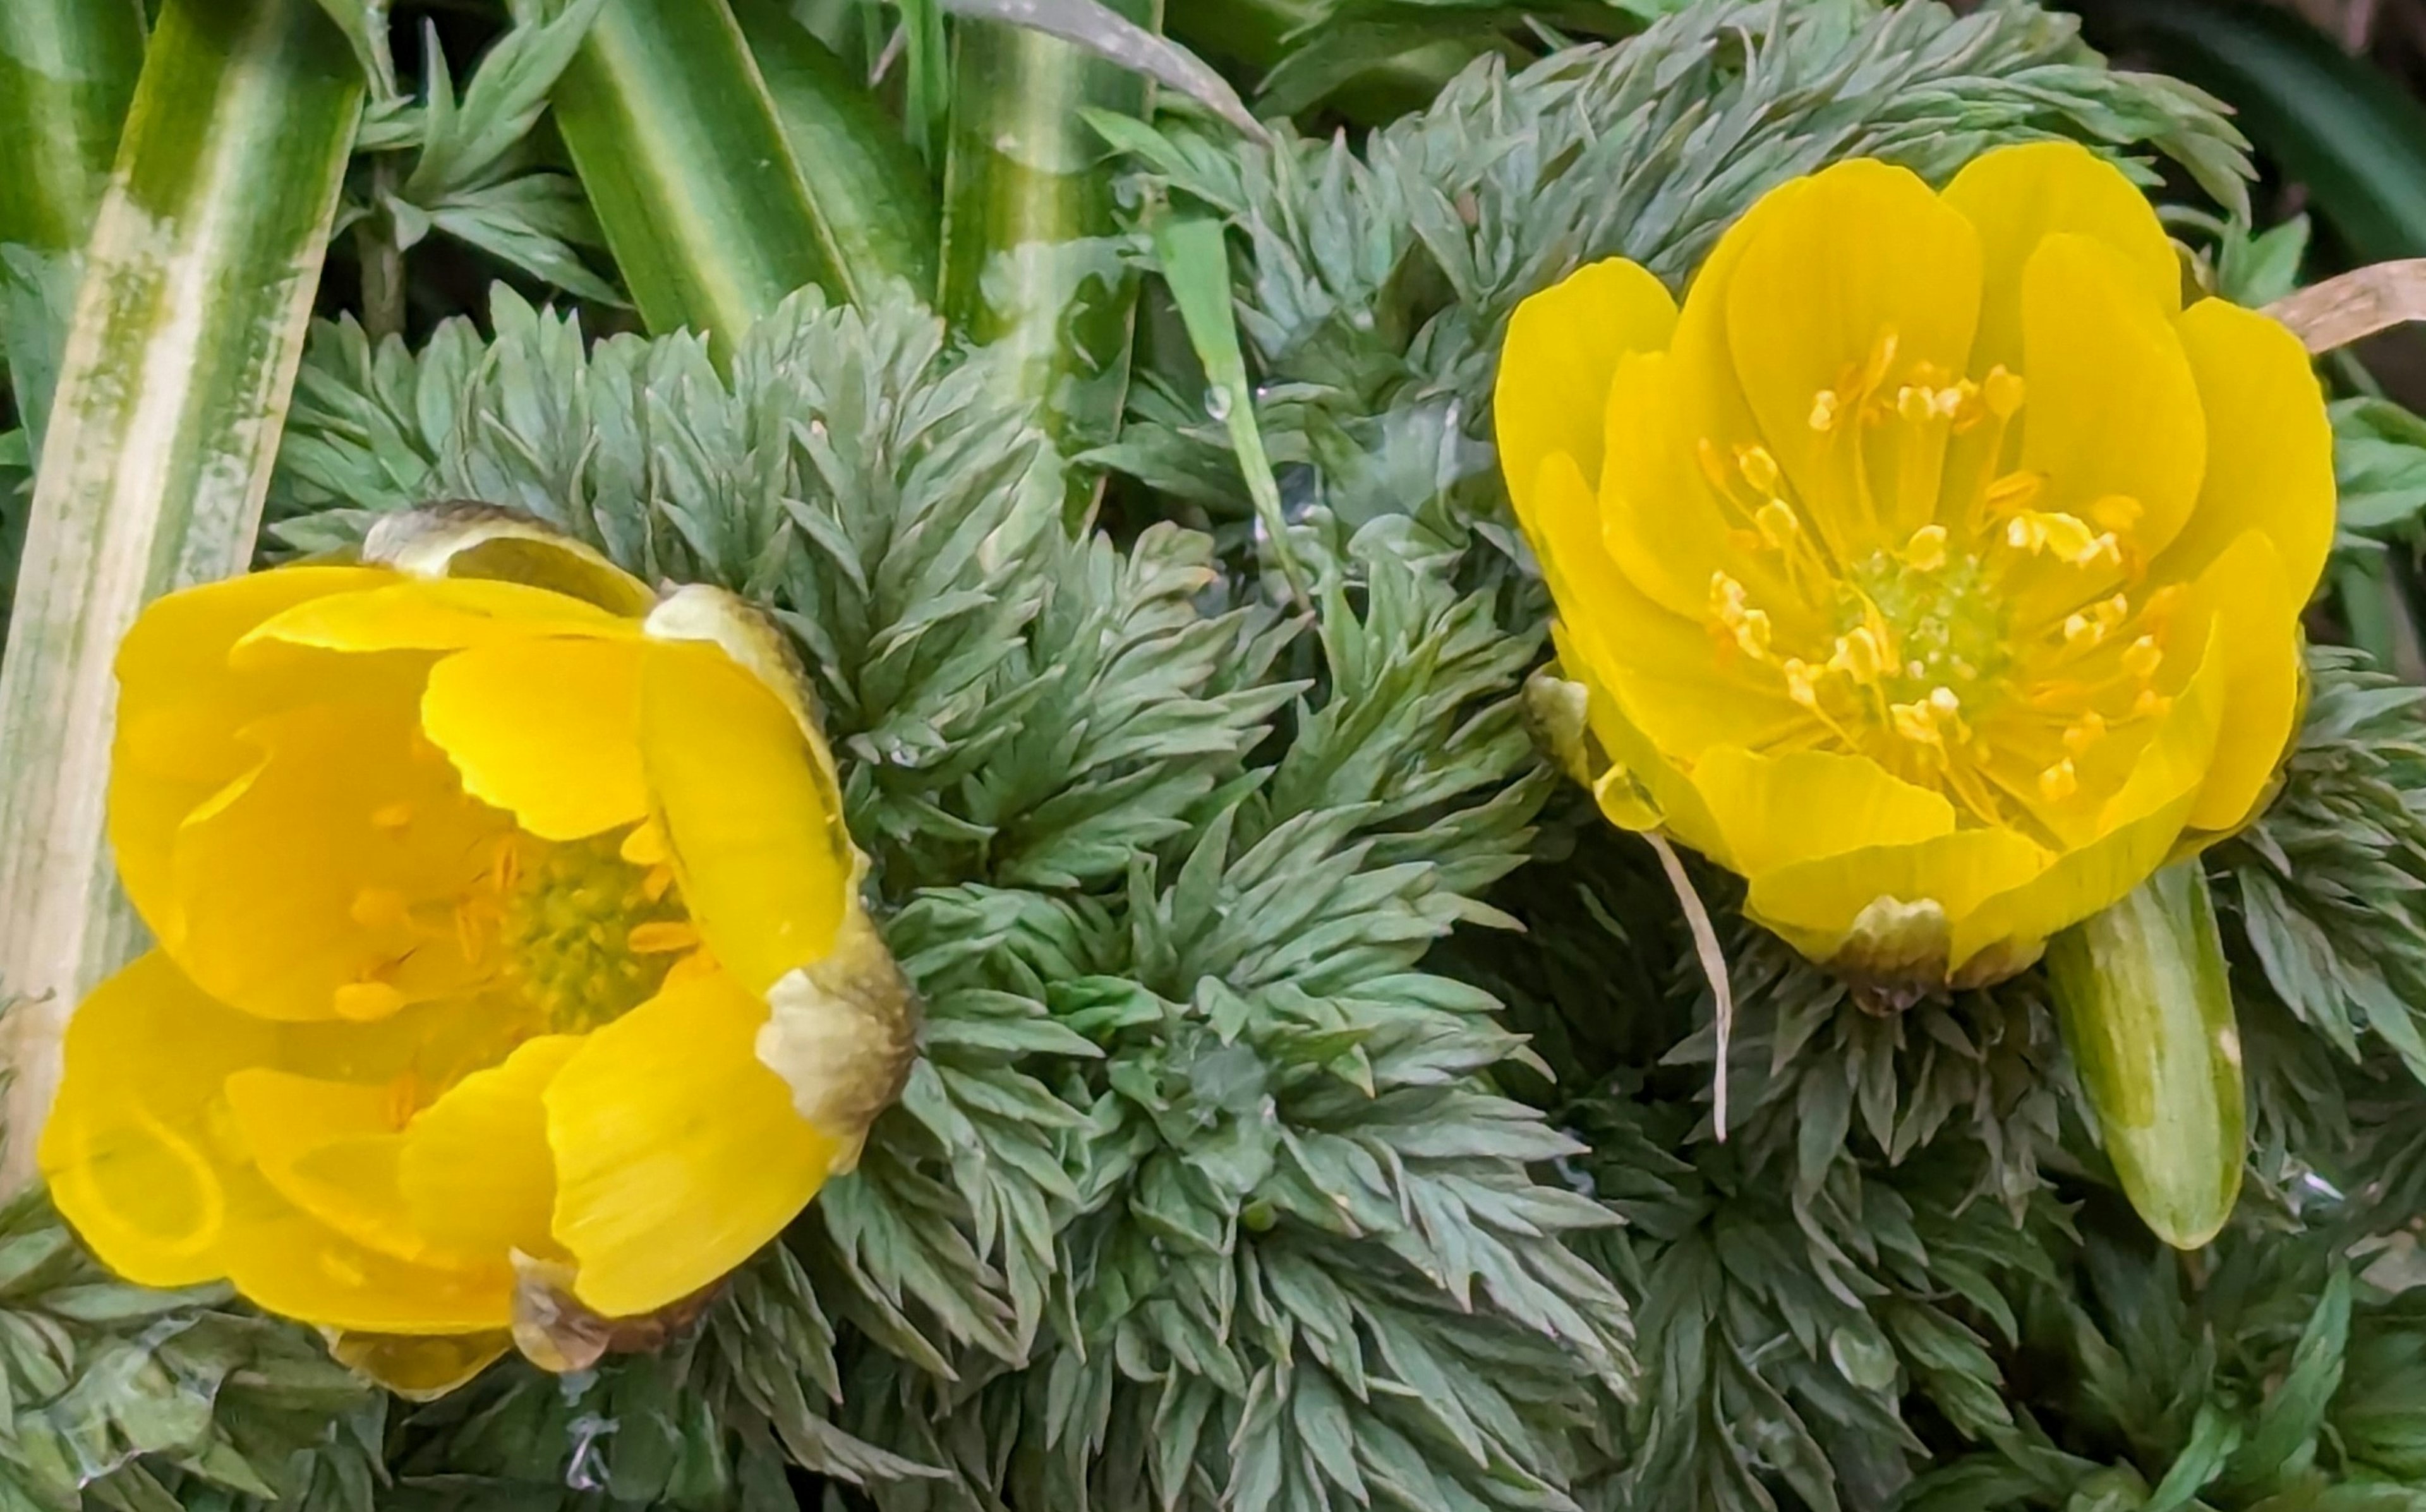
[1119, 40]
[870, 190]
[686, 165]
[1196, 266]
[66, 75]
[2379, 464]
[1033, 263]
[463, 146]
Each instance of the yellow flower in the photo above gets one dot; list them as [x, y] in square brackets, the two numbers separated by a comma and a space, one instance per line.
[509, 976]
[1932, 567]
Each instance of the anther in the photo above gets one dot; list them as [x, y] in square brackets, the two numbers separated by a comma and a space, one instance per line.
[2060, 781]
[1823, 410]
[2144, 657]
[2117, 512]
[1778, 524]
[1759, 468]
[661, 936]
[1857, 655]
[2085, 732]
[2013, 490]
[1802, 682]
[1926, 551]
[363, 1002]
[1714, 465]
[2003, 392]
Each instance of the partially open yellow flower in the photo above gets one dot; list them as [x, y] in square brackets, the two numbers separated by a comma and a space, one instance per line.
[1934, 568]
[510, 976]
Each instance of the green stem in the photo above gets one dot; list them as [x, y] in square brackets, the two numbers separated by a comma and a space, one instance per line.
[67, 68]
[1032, 258]
[381, 257]
[865, 185]
[676, 138]
[172, 391]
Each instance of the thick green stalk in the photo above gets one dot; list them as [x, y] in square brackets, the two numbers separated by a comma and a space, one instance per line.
[67, 68]
[676, 138]
[1032, 258]
[187, 330]
[2146, 1010]
[865, 186]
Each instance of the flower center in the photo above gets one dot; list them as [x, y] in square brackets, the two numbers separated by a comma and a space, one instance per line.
[586, 930]
[1909, 593]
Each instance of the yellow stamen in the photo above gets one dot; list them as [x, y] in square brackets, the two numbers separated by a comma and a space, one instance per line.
[2144, 657]
[1823, 410]
[2085, 732]
[1753, 634]
[1926, 551]
[1759, 468]
[2013, 492]
[645, 846]
[661, 935]
[1802, 682]
[1779, 526]
[2060, 781]
[2117, 512]
[2066, 537]
[363, 1002]
[1858, 656]
[2003, 392]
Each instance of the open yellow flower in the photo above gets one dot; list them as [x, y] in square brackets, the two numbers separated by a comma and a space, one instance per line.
[1934, 568]
[510, 977]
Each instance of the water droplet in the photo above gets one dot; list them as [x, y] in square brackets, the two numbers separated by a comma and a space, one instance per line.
[1216, 404]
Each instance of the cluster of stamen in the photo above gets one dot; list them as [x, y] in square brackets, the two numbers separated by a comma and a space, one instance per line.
[1903, 648]
[581, 932]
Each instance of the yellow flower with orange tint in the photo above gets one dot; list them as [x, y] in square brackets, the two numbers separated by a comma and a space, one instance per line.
[1934, 568]
[510, 980]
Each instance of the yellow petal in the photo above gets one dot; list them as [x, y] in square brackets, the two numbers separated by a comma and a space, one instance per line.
[678, 1153]
[2137, 832]
[765, 866]
[423, 614]
[130, 1150]
[1683, 689]
[291, 1263]
[330, 1149]
[547, 729]
[1780, 811]
[2258, 620]
[2019, 195]
[477, 1169]
[1815, 903]
[180, 707]
[1864, 254]
[1562, 346]
[2270, 459]
[2112, 408]
[303, 877]
[1661, 524]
